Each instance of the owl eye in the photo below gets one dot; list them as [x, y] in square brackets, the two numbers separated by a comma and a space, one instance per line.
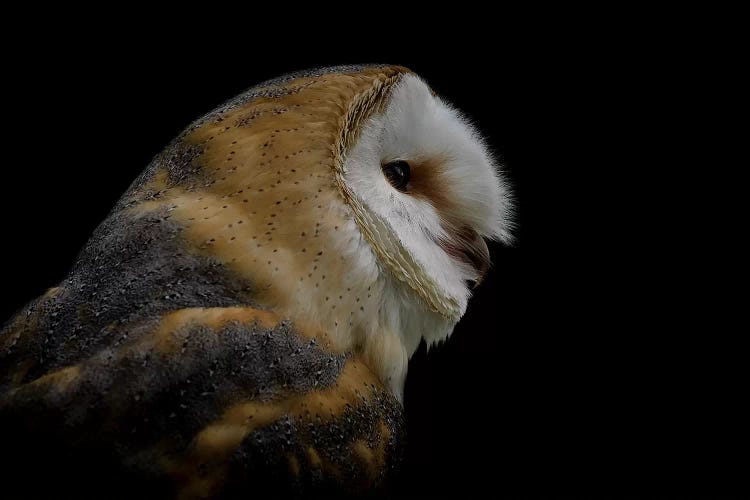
[398, 174]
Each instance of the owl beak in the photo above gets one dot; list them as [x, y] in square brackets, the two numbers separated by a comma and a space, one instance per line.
[479, 256]
[470, 247]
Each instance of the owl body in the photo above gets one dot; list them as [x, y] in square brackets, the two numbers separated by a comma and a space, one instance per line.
[243, 318]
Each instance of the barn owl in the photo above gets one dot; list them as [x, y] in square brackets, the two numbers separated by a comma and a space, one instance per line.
[245, 315]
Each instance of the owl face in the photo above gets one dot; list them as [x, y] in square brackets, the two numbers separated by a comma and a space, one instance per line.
[428, 193]
[428, 182]
[354, 201]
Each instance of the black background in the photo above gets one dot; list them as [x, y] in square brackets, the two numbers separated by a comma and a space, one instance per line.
[571, 371]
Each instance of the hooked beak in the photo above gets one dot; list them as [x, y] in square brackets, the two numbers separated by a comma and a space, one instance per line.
[469, 247]
[479, 255]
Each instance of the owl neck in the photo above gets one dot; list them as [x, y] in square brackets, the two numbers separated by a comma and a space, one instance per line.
[384, 332]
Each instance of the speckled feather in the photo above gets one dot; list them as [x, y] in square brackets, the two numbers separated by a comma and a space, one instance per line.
[170, 363]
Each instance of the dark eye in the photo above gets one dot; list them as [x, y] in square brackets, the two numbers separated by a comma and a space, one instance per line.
[398, 174]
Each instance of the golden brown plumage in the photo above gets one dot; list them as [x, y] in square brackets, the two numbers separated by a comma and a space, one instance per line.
[228, 328]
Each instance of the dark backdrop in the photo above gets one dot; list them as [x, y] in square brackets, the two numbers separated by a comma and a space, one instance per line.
[562, 376]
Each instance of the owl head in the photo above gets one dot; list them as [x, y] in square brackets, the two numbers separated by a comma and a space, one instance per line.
[354, 200]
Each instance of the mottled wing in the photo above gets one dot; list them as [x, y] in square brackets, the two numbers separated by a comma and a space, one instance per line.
[200, 402]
